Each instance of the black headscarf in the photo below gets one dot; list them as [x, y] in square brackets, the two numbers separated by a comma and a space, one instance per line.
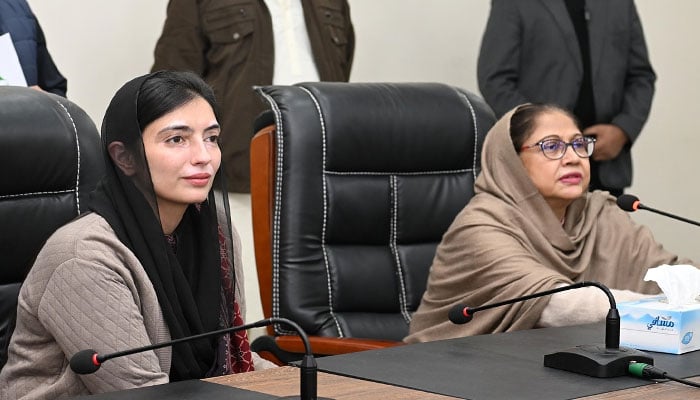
[187, 274]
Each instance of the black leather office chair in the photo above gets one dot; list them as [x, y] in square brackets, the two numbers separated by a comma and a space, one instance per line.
[353, 186]
[51, 158]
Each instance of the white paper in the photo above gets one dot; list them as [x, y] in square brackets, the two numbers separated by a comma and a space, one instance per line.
[10, 69]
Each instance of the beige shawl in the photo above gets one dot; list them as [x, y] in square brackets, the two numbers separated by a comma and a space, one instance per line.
[508, 243]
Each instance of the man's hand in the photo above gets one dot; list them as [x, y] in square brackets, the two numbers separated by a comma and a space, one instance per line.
[610, 140]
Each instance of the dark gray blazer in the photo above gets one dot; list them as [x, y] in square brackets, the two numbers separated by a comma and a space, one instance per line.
[530, 53]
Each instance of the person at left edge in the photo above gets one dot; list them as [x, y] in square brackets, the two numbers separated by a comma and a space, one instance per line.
[40, 72]
[155, 259]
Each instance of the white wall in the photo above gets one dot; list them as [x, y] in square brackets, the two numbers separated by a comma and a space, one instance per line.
[100, 44]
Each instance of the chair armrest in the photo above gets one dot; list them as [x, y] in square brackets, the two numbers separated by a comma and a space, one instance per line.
[321, 345]
[282, 350]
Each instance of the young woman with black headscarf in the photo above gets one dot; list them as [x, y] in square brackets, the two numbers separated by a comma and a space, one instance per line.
[157, 258]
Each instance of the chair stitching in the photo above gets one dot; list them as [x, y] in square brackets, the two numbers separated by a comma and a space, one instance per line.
[279, 163]
[20, 195]
[476, 130]
[325, 212]
[442, 172]
[394, 247]
[77, 151]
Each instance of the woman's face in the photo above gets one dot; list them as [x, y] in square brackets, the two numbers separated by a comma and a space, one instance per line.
[559, 181]
[183, 155]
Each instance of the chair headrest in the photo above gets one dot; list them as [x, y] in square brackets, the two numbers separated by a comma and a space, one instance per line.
[387, 127]
[51, 149]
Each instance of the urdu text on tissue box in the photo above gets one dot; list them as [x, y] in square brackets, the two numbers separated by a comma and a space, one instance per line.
[669, 323]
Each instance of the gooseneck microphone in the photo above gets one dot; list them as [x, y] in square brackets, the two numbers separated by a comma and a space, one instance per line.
[631, 203]
[603, 361]
[89, 361]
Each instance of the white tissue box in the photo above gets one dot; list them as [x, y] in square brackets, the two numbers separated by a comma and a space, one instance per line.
[654, 325]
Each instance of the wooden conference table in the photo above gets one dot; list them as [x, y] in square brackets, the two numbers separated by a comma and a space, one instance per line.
[284, 381]
[499, 366]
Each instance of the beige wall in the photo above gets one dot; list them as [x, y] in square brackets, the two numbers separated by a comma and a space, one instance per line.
[99, 44]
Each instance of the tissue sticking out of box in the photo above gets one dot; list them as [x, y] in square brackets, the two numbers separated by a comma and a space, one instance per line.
[680, 283]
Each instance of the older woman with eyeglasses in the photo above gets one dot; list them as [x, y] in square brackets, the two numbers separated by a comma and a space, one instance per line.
[533, 226]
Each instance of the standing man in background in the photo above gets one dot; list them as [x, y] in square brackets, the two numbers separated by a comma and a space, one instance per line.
[40, 72]
[235, 45]
[588, 56]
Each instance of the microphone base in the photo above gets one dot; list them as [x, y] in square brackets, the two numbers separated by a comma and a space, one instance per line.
[596, 360]
[299, 398]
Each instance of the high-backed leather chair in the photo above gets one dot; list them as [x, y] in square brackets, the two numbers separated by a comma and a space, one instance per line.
[353, 186]
[51, 158]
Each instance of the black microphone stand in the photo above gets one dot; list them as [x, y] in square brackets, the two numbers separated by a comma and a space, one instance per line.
[88, 361]
[630, 203]
[602, 361]
[664, 213]
[308, 370]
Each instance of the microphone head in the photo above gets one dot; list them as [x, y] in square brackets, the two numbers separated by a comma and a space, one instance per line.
[460, 314]
[628, 202]
[84, 362]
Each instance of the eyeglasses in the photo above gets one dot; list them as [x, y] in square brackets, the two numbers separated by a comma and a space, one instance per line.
[554, 149]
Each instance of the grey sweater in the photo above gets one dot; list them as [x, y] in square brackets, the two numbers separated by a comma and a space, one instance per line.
[87, 290]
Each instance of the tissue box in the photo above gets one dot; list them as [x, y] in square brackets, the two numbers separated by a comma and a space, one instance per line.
[654, 325]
